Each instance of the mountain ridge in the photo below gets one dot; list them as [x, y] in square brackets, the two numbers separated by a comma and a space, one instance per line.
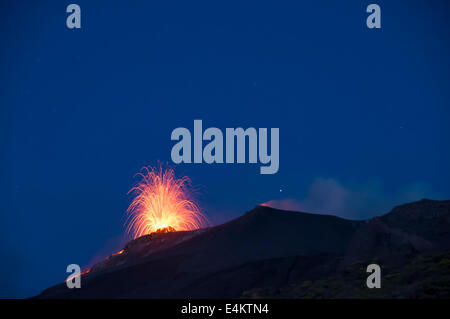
[189, 264]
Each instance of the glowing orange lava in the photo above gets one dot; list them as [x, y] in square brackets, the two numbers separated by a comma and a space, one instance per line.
[162, 202]
[71, 277]
[120, 252]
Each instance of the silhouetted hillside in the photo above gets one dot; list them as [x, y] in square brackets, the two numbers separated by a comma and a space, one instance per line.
[274, 253]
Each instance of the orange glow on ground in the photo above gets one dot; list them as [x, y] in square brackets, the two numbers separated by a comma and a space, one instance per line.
[120, 252]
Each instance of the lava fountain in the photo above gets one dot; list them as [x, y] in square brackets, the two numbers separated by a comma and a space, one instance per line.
[162, 203]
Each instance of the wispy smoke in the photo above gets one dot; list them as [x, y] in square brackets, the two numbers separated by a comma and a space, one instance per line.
[330, 196]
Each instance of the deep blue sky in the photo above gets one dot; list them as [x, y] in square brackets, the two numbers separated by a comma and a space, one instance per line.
[363, 114]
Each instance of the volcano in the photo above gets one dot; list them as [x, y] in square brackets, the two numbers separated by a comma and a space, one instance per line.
[282, 254]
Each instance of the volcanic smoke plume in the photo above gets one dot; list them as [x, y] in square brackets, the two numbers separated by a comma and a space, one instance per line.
[162, 203]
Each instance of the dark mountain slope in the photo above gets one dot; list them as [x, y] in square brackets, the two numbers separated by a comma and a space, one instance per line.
[264, 249]
[428, 219]
[406, 231]
[264, 233]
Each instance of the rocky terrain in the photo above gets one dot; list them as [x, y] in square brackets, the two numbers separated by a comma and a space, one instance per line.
[282, 254]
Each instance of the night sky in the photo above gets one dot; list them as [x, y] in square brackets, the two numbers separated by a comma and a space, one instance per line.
[363, 114]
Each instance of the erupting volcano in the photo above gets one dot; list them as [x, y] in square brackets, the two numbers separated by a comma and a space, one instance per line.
[162, 203]
[271, 253]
